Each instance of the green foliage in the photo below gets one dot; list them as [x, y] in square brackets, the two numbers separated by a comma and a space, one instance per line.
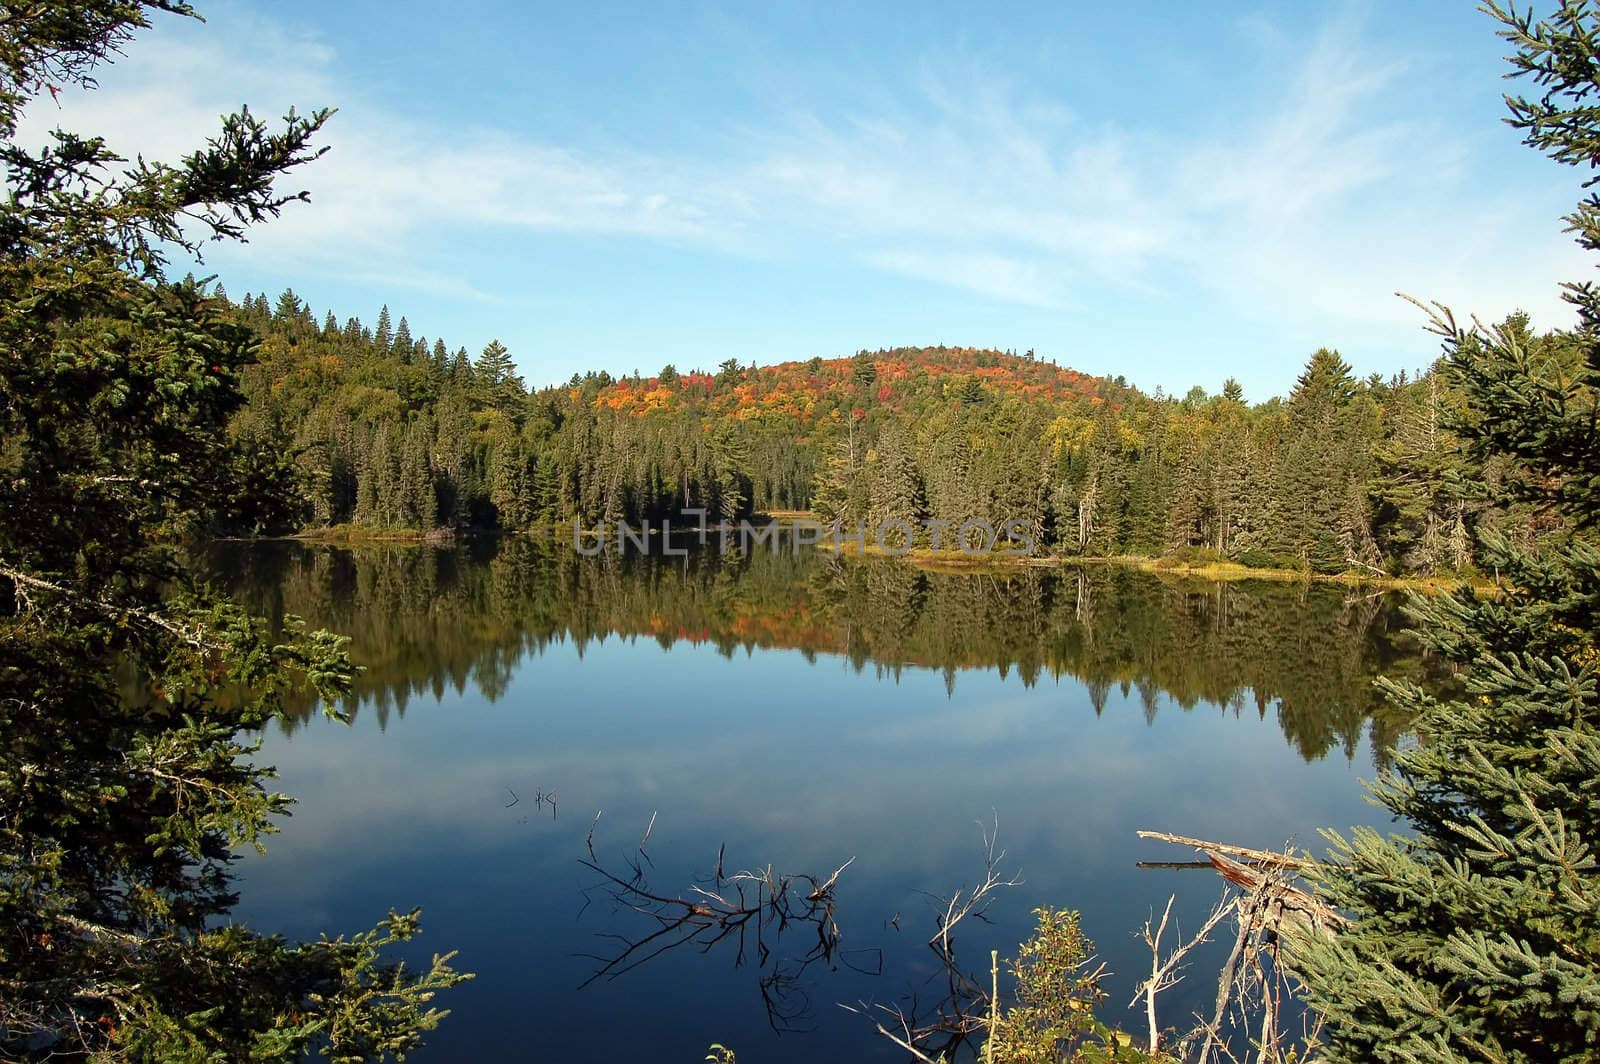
[1347, 474]
[1058, 991]
[1477, 935]
[863, 371]
[124, 685]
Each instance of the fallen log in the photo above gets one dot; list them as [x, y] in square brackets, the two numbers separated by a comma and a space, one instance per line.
[1257, 975]
[1285, 903]
[1267, 878]
[1273, 857]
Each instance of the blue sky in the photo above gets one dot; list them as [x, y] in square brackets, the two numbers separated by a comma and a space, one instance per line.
[1174, 195]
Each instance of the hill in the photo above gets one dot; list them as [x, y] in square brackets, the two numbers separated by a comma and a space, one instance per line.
[391, 432]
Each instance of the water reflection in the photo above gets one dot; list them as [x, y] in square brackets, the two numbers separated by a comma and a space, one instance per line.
[795, 712]
[427, 620]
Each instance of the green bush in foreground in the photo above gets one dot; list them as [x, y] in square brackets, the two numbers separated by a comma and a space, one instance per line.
[1058, 992]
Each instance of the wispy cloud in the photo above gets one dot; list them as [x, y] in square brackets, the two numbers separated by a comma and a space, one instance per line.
[388, 180]
[996, 276]
[1315, 200]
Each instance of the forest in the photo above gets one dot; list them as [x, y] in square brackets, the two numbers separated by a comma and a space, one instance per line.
[386, 431]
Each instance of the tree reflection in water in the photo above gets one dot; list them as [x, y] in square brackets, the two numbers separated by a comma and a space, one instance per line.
[426, 619]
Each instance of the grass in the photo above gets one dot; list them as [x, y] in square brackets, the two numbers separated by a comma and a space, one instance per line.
[1206, 569]
[347, 534]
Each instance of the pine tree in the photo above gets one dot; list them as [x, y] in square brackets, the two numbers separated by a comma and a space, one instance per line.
[289, 307]
[836, 494]
[1312, 516]
[419, 501]
[383, 467]
[461, 368]
[382, 335]
[863, 370]
[1476, 935]
[402, 344]
[495, 377]
[510, 489]
[896, 487]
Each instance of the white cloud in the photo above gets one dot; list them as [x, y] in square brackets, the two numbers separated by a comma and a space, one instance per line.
[996, 276]
[1312, 205]
[386, 179]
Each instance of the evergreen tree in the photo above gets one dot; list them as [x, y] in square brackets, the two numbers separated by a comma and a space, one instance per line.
[402, 344]
[896, 487]
[863, 370]
[289, 307]
[419, 502]
[838, 496]
[1312, 514]
[461, 368]
[1476, 936]
[382, 335]
[510, 487]
[496, 378]
[383, 470]
[124, 684]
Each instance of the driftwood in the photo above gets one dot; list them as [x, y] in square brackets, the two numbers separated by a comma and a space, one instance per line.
[1273, 857]
[1256, 979]
[750, 909]
[1287, 905]
[1266, 874]
[964, 1009]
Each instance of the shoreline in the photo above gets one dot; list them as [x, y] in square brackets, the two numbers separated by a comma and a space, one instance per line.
[352, 536]
[936, 561]
[1217, 572]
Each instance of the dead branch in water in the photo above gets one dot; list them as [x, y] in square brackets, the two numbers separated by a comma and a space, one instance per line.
[1272, 857]
[1255, 981]
[961, 1010]
[751, 909]
[1166, 973]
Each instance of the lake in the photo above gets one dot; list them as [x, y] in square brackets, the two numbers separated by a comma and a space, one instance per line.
[796, 711]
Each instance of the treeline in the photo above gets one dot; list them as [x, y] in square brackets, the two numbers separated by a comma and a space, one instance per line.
[424, 620]
[1344, 474]
[391, 431]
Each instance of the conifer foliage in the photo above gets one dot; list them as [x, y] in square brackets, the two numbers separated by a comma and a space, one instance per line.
[124, 784]
[1477, 933]
[1347, 473]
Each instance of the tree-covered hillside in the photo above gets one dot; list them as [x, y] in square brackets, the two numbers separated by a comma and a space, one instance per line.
[394, 431]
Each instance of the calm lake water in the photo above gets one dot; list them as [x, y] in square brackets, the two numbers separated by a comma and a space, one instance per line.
[798, 712]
